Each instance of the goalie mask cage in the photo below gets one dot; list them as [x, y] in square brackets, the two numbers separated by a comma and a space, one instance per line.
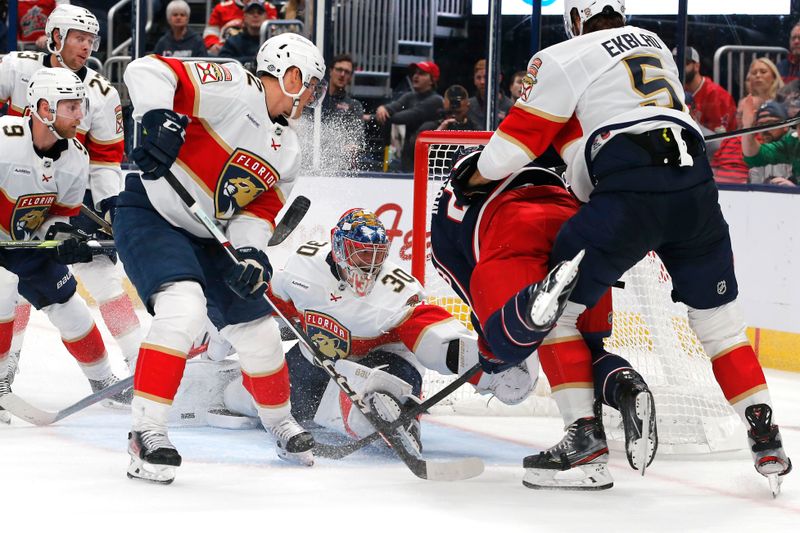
[649, 330]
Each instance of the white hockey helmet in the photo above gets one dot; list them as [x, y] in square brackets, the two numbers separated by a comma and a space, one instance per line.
[53, 85]
[67, 17]
[577, 12]
[286, 50]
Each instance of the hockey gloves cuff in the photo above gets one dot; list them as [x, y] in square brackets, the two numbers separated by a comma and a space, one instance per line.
[73, 247]
[464, 166]
[108, 209]
[163, 134]
[250, 276]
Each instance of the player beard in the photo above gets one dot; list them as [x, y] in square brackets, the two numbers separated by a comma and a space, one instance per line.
[66, 132]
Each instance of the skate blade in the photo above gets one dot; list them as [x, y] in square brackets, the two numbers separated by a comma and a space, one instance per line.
[595, 477]
[298, 458]
[5, 417]
[139, 469]
[545, 306]
[116, 405]
[643, 449]
[774, 484]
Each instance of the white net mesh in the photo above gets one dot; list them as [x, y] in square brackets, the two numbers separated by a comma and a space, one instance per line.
[650, 331]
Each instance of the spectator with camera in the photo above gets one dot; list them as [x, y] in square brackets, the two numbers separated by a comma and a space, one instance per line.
[780, 146]
[179, 40]
[455, 114]
[413, 109]
[244, 45]
[789, 68]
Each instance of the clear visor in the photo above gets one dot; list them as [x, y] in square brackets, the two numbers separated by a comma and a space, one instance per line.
[317, 92]
[82, 38]
[74, 109]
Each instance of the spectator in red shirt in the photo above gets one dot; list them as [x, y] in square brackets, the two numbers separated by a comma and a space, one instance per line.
[789, 68]
[711, 106]
[31, 19]
[224, 15]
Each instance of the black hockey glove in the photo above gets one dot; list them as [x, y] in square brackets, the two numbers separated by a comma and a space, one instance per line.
[464, 165]
[250, 276]
[163, 134]
[73, 247]
[108, 209]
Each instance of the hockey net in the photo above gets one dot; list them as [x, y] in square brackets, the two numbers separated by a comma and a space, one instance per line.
[650, 330]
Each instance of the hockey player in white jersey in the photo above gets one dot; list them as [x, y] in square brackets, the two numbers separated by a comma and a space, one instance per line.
[223, 132]
[43, 173]
[72, 35]
[371, 317]
[611, 103]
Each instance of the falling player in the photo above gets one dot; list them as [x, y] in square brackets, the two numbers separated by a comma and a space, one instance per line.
[493, 246]
[43, 178]
[611, 101]
[72, 35]
[371, 316]
[239, 162]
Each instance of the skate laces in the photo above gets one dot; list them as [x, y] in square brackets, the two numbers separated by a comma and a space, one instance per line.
[4, 386]
[286, 429]
[153, 440]
[762, 431]
[100, 384]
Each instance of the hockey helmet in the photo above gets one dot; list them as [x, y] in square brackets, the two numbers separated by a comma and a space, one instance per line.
[359, 247]
[54, 85]
[67, 17]
[286, 50]
[577, 12]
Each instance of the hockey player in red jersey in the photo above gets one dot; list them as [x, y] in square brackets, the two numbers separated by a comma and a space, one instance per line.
[226, 14]
[223, 133]
[611, 102]
[72, 36]
[492, 246]
[43, 171]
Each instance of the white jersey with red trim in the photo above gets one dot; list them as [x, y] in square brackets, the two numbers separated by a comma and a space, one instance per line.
[35, 188]
[345, 325]
[585, 91]
[236, 162]
[100, 130]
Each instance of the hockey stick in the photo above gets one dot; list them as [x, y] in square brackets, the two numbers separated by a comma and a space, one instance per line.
[333, 451]
[22, 409]
[105, 227]
[753, 129]
[49, 245]
[443, 471]
[294, 214]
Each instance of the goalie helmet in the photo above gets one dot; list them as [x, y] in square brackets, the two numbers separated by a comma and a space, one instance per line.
[287, 50]
[577, 12]
[53, 85]
[67, 17]
[359, 247]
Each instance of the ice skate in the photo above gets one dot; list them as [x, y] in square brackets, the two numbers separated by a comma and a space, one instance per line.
[294, 443]
[5, 388]
[766, 446]
[638, 412]
[582, 452]
[13, 366]
[153, 457]
[121, 400]
[388, 408]
[549, 297]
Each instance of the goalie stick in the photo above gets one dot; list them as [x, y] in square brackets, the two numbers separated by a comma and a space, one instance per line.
[22, 409]
[441, 471]
[340, 451]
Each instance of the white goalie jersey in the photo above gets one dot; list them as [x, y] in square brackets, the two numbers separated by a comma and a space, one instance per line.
[393, 315]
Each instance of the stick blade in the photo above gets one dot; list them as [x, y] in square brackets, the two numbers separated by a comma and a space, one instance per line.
[457, 470]
[290, 220]
[22, 409]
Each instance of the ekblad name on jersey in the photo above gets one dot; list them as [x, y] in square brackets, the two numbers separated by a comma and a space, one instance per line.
[36, 188]
[100, 131]
[586, 90]
[236, 163]
[345, 325]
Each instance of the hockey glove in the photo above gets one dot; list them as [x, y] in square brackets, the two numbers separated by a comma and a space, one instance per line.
[108, 209]
[73, 247]
[163, 134]
[250, 276]
[465, 164]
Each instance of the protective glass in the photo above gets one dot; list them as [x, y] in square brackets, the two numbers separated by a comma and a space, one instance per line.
[318, 92]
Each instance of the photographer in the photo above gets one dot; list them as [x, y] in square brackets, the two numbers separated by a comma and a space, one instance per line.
[454, 116]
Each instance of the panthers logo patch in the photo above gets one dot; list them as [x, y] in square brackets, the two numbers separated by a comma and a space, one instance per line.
[332, 338]
[244, 177]
[29, 213]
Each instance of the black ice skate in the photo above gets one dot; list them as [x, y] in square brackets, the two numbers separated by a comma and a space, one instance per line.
[153, 457]
[766, 446]
[638, 412]
[5, 388]
[548, 298]
[582, 451]
[294, 443]
[388, 408]
[121, 400]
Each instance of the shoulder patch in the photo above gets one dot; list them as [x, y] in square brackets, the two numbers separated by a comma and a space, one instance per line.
[212, 72]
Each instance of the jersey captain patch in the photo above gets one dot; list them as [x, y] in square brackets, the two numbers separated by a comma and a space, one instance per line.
[29, 213]
[244, 176]
[330, 335]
